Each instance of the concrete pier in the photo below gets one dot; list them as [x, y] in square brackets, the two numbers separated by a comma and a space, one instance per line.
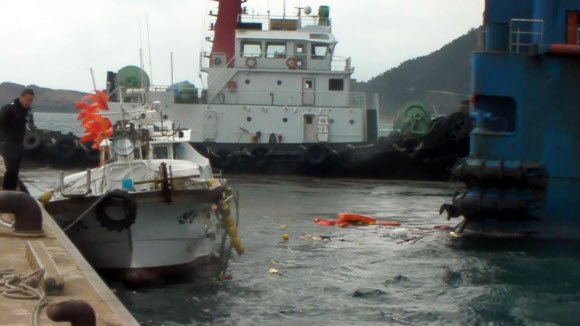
[67, 275]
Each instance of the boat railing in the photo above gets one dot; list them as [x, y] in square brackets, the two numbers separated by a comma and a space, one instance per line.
[526, 35]
[272, 22]
[75, 193]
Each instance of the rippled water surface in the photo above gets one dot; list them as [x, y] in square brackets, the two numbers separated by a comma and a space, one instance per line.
[364, 275]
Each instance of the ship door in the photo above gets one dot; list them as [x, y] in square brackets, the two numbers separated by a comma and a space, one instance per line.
[210, 125]
[310, 128]
[308, 91]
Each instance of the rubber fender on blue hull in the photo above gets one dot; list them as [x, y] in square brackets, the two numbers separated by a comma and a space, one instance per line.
[515, 204]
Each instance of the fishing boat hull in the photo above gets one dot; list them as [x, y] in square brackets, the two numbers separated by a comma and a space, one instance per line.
[166, 238]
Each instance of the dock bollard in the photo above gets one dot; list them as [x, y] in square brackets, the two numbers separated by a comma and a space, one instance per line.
[28, 216]
[77, 312]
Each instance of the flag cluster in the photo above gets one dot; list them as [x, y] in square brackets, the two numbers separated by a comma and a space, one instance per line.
[96, 126]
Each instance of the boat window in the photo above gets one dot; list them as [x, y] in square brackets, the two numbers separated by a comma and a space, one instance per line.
[275, 50]
[299, 49]
[160, 152]
[319, 51]
[335, 84]
[308, 119]
[251, 49]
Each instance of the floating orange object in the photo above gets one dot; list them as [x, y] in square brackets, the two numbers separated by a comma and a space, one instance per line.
[324, 222]
[386, 223]
[342, 224]
[351, 217]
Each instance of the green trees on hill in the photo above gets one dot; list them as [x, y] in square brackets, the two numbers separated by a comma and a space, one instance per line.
[440, 79]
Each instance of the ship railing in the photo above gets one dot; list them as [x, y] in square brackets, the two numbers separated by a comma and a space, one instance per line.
[340, 64]
[272, 22]
[526, 35]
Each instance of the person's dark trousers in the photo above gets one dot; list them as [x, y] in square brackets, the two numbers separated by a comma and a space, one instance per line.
[12, 158]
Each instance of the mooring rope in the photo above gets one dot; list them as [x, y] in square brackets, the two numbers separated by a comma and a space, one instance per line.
[84, 213]
[24, 288]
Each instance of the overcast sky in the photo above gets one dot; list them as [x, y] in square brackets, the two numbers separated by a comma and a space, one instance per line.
[54, 43]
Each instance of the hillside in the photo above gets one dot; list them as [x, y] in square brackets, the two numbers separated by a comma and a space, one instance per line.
[45, 99]
[440, 79]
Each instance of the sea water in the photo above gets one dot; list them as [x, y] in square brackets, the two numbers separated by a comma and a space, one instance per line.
[366, 275]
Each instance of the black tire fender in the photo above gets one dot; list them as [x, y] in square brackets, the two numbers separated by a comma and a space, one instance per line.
[66, 148]
[129, 208]
[222, 158]
[32, 141]
[261, 156]
[316, 155]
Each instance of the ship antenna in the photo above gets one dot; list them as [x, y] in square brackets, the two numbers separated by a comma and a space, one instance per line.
[149, 49]
[171, 58]
[141, 54]
[93, 77]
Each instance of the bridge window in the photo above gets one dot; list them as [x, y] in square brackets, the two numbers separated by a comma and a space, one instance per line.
[251, 49]
[336, 84]
[319, 51]
[275, 50]
[160, 152]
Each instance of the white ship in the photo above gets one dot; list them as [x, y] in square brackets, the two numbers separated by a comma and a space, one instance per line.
[153, 208]
[277, 98]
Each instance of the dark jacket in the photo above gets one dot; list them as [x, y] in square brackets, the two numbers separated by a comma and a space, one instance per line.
[13, 120]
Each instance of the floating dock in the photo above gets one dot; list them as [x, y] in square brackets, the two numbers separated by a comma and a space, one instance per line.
[67, 276]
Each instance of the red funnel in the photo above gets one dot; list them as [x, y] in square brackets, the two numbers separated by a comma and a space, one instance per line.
[225, 27]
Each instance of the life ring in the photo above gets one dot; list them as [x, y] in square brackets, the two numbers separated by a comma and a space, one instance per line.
[351, 217]
[292, 62]
[129, 208]
[262, 157]
[316, 155]
[32, 141]
[66, 148]
[222, 158]
[251, 63]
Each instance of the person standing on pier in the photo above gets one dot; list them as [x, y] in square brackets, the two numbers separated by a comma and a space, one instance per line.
[14, 118]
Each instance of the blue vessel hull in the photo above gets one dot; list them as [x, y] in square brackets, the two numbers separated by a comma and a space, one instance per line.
[523, 172]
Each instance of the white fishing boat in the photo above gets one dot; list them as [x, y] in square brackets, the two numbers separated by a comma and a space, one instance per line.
[277, 98]
[152, 208]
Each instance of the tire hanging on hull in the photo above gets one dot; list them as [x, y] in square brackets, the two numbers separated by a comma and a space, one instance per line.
[129, 209]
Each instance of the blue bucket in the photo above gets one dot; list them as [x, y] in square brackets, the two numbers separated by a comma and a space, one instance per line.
[127, 184]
